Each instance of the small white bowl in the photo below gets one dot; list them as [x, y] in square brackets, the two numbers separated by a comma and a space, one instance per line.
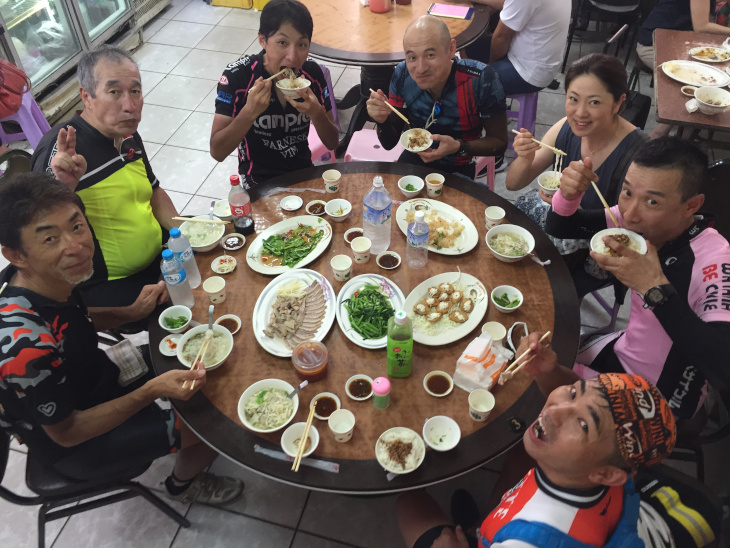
[168, 345]
[291, 92]
[712, 100]
[512, 292]
[225, 264]
[406, 136]
[355, 378]
[217, 329]
[291, 203]
[689, 91]
[323, 395]
[230, 237]
[220, 230]
[514, 229]
[599, 246]
[295, 432]
[543, 177]
[338, 209]
[257, 387]
[174, 312]
[383, 254]
[231, 317]
[417, 183]
[222, 210]
[443, 374]
[357, 231]
[311, 204]
[441, 433]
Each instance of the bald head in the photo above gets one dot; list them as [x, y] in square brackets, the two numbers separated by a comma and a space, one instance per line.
[430, 27]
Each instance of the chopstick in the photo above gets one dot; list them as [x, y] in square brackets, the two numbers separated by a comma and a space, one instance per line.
[303, 441]
[3, 287]
[526, 352]
[555, 150]
[213, 221]
[198, 358]
[391, 107]
[511, 371]
[277, 74]
[605, 204]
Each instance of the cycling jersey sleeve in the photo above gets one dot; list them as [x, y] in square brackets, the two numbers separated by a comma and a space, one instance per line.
[582, 224]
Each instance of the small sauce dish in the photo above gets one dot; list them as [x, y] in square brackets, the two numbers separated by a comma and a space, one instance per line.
[438, 383]
[231, 322]
[388, 260]
[225, 264]
[325, 403]
[359, 387]
[233, 241]
[291, 203]
[689, 91]
[315, 207]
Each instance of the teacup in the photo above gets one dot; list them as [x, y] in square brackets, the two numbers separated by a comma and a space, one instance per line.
[341, 423]
[331, 180]
[361, 249]
[341, 267]
[434, 185]
[481, 403]
[215, 288]
[493, 216]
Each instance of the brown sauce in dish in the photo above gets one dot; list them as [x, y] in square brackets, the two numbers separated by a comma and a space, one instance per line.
[270, 260]
[317, 209]
[388, 261]
[229, 323]
[438, 384]
[325, 406]
[233, 241]
[354, 234]
[360, 388]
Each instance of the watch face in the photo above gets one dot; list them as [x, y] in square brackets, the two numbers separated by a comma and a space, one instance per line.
[655, 296]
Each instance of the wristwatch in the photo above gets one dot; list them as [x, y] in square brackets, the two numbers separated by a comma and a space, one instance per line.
[463, 148]
[658, 295]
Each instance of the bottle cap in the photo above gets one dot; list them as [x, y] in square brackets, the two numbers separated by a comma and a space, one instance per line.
[377, 180]
[175, 232]
[400, 318]
[420, 216]
[381, 386]
[167, 254]
[235, 179]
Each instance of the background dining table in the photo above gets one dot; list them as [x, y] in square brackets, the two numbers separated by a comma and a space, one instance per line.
[550, 304]
[670, 45]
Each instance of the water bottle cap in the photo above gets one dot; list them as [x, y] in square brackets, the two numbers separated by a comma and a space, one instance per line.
[377, 180]
[381, 386]
[401, 318]
[167, 254]
[235, 179]
[420, 216]
[175, 232]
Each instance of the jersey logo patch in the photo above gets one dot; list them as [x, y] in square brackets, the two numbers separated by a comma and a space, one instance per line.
[47, 409]
[225, 97]
[223, 80]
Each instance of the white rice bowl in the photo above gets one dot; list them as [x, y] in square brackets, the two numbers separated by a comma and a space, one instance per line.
[637, 242]
[203, 236]
[412, 461]
[257, 387]
[291, 91]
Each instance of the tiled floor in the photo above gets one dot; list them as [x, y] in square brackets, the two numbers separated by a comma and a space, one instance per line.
[186, 48]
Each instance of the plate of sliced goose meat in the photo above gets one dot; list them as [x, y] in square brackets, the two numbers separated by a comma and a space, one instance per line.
[295, 307]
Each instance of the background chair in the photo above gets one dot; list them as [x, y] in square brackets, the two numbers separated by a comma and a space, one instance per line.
[33, 125]
[527, 114]
[319, 151]
[365, 147]
[18, 161]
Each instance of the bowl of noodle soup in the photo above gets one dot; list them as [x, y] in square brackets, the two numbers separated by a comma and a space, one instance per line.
[510, 243]
[218, 350]
[549, 182]
[264, 407]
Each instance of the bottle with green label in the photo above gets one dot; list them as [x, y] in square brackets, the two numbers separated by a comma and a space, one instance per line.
[400, 345]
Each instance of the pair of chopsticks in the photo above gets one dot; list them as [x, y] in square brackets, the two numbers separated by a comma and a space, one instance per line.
[303, 441]
[555, 150]
[212, 221]
[277, 74]
[604, 202]
[199, 359]
[391, 107]
[510, 372]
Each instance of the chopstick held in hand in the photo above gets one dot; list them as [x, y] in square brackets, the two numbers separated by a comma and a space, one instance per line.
[510, 372]
[555, 150]
[605, 204]
[391, 107]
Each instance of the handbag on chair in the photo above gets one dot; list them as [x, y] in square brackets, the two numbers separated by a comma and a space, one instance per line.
[13, 84]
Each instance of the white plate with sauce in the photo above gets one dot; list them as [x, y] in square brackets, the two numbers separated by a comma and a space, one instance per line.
[710, 54]
[168, 345]
[693, 73]
[467, 240]
[255, 257]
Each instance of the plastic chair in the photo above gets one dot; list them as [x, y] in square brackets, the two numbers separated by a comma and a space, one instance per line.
[488, 162]
[527, 115]
[18, 162]
[316, 146]
[32, 123]
[365, 147]
[619, 294]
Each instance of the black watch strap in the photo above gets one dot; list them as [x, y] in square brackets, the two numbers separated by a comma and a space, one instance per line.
[463, 148]
[658, 295]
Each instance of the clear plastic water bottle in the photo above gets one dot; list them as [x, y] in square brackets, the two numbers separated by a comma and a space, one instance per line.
[417, 248]
[180, 246]
[176, 281]
[240, 203]
[400, 345]
[376, 208]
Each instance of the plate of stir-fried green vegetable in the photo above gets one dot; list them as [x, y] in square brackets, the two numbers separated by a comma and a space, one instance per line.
[363, 307]
[292, 243]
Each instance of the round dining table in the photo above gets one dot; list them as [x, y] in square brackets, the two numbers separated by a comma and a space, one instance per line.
[550, 303]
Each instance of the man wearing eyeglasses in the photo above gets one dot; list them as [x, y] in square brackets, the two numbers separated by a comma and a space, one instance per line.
[460, 102]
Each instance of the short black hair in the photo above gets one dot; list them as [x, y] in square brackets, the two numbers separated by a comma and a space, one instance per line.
[25, 197]
[674, 153]
[607, 68]
[278, 12]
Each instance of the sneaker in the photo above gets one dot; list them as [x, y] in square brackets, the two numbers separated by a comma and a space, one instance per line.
[211, 489]
[464, 510]
[499, 164]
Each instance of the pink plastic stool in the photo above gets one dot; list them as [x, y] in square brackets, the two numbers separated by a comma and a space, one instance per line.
[488, 162]
[365, 147]
[527, 114]
[32, 123]
[319, 151]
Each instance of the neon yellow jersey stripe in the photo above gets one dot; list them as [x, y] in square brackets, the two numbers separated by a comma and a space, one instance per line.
[690, 519]
[119, 209]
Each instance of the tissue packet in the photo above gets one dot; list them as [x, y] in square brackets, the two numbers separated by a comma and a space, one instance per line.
[481, 364]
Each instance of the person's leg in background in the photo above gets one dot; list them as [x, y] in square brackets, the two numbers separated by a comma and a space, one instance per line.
[646, 56]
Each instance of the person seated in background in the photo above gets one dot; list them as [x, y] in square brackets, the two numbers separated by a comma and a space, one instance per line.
[679, 322]
[100, 155]
[58, 391]
[460, 102]
[252, 114]
[592, 131]
[587, 442]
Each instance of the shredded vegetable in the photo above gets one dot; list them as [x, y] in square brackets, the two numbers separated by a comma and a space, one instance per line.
[369, 311]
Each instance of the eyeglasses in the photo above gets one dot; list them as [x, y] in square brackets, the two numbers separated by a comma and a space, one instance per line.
[435, 111]
[523, 325]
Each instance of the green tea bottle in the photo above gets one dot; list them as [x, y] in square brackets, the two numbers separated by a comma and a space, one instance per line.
[400, 345]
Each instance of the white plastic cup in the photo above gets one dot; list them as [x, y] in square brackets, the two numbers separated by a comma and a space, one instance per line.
[481, 403]
[493, 216]
[341, 267]
[361, 249]
[434, 185]
[215, 288]
[331, 180]
[497, 331]
[341, 423]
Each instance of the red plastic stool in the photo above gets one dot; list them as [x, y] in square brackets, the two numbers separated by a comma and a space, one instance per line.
[32, 123]
[365, 147]
[527, 114]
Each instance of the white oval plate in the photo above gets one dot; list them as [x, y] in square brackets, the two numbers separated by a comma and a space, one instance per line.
[693, 73]
[388, 288]
[253, 257]
[445, 331]
[466, 241]
[418, 445]
[710, 50]
[165, 349]
[291, 203]
[406, 136]
[262, 310]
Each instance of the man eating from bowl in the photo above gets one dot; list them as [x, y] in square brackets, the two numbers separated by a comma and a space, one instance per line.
[59, 393]
[588, 441]
[460, 102]
[100, 155]
[679, 322]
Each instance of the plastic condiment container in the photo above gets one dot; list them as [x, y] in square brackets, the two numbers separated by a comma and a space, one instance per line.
[381, 393]
[310, 360]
